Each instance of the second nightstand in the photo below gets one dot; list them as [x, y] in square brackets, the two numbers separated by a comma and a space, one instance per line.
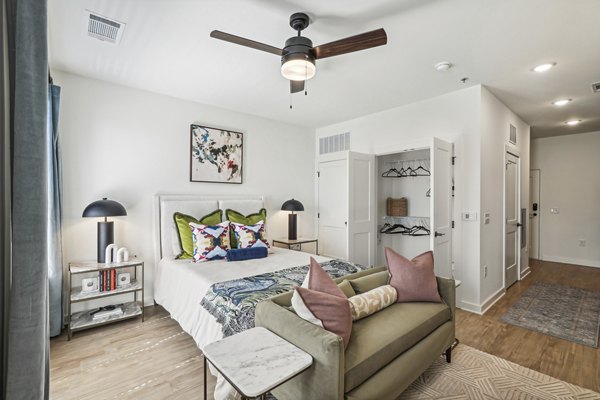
[300, 241]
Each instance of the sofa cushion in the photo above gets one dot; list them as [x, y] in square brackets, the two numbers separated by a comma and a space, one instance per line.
[413, 279]
[346, 288]
[369, 282]
[320, 301]
[383, 336]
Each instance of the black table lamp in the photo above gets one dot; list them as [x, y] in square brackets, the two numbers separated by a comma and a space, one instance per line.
[292, 205]
[106, 232]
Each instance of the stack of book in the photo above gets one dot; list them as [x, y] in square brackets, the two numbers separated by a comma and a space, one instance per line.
[106, 314]
[107, 280]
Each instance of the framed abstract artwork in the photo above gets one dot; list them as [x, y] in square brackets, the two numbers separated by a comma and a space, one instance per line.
[216, 155]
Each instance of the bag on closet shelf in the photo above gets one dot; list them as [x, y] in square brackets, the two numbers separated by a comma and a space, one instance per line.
[397, 207]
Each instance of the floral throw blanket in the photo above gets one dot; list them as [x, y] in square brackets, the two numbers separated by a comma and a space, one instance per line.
[233, 302]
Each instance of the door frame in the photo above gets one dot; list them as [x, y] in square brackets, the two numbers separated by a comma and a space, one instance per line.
[539, 212]
[515, 153]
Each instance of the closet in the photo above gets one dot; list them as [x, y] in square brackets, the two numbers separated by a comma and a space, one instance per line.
[401, 200]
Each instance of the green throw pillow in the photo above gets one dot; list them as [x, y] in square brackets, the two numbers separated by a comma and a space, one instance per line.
[239, 218]
[184, 232]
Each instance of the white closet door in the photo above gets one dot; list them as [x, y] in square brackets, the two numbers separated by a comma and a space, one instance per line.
[361, 209]
[441, 206]
[333, 206]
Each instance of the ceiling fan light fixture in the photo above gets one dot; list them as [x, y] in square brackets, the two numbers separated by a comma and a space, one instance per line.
[298, 67]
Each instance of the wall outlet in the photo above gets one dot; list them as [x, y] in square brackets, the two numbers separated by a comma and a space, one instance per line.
[486, 218]
[485, 271]
[582, 243]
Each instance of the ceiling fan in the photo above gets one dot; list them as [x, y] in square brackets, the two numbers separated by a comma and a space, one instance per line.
[298, 56]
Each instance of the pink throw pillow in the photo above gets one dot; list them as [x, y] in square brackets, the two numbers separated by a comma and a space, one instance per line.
[414, 280]
[321, 302]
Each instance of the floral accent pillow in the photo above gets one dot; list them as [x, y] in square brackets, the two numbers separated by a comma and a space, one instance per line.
[247, 236]
[211, 242]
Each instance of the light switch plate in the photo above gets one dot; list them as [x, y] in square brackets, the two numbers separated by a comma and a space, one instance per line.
[469, 216]
[554, 211]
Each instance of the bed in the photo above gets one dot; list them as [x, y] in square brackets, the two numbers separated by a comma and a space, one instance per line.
[193, 293]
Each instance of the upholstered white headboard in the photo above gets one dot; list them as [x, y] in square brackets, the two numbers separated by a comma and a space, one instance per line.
[166, 243]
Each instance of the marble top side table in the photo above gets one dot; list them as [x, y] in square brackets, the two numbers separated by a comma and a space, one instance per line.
[255, 361]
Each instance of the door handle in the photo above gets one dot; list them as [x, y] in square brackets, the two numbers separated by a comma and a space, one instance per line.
[519, 224]
[438, 234]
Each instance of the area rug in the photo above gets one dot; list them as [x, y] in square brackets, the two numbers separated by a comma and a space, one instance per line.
[477, 375]
[561, 311]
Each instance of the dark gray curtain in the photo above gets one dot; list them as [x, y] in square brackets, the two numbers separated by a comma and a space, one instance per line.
[4, 202]
[55, 261]
[28, 336]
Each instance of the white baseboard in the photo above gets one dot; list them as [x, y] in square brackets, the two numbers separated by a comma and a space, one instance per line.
[490, 301]
[576, 261]
[483, 307]
[525, 272]
[471, 307]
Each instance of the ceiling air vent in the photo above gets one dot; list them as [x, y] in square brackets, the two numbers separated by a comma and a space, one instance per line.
[596, 87]
[332, 144]
[102, 28]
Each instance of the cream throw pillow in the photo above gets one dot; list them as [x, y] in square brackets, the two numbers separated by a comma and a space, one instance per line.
[363, 305]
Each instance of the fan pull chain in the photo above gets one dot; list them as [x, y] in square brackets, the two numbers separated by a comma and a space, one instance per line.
[290, 100]
[306, 77]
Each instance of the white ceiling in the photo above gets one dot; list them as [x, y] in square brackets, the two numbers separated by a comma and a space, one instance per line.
[166, 48]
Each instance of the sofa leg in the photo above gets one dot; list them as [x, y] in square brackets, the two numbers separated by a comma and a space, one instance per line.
[449, 355]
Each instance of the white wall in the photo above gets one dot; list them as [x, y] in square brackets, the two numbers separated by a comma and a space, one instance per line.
[496, 119]
[128, 145]
[569, 181]
[453, 117]
[478, 125]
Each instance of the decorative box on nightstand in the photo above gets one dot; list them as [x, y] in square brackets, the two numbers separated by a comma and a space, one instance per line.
[91, 269]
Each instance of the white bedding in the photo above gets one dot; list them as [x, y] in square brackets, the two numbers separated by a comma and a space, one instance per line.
[180, 286]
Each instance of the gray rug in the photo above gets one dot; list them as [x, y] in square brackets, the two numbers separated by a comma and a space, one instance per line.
[561, 311]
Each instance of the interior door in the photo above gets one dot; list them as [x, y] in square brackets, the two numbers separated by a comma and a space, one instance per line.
[332, 207]
[534, 213]
[511, 215]
[441, 206]
[361, 208]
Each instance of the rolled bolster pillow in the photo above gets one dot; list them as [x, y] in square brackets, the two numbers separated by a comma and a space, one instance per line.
[246, 254]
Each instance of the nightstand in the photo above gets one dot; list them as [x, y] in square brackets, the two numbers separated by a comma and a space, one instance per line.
[299, 242]
[91, 269]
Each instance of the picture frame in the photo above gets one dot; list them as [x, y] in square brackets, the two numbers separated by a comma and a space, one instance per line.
[216, 155]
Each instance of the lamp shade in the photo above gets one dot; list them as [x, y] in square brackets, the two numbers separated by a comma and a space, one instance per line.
[292, 205]
[104, 208]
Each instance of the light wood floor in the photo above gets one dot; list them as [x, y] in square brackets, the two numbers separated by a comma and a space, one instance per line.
[156, 360]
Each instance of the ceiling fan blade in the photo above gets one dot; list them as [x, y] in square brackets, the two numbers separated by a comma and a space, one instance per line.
[245, 42]
[296, 86]
[351, 44]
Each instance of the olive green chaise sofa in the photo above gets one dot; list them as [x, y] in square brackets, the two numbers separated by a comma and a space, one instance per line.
[387, 351]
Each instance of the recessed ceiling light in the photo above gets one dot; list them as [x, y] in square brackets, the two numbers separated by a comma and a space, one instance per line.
[573, 122]
[443, 66]
[544, 67]
[561, 102]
